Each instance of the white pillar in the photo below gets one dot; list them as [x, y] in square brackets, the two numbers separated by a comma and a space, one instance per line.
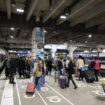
[71, 51]
[33, 43]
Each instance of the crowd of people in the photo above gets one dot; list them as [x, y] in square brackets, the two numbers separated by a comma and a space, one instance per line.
[19, 65]
[40, 68]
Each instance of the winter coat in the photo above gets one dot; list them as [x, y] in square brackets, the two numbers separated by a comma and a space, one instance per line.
[13, 65]
[36, 72]
[80, 63]
[97, 65]
[21, 64]
[60, 64]
[71, 68]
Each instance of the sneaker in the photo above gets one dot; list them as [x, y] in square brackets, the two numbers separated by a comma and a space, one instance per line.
[10, 82]
[13, 82]
[75, 87]
[67, 85]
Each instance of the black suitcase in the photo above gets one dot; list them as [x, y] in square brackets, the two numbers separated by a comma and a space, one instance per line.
[89, 76]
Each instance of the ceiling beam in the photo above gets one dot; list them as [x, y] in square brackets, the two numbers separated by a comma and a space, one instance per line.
[95, 21]
[15, 40]
[8, 3]
[57, 6]
[78, 9]
[65, 5]
[32, 7]
[101, 27]
[97, 9]
[49, 36]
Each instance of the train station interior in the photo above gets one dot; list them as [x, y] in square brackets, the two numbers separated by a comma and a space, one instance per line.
[46, 43]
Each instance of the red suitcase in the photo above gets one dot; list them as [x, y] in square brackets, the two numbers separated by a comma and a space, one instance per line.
[30, 88]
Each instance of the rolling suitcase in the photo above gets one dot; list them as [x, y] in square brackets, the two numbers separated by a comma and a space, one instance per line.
[30, 88]
[63, 82]
[89, 76]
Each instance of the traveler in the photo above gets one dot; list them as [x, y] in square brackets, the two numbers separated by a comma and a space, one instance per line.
[80, 64]
[96, 68]
[12, 69]
[49, 65]
[60, 65]
[32, 66]
[21, 67]
[29, 62]
[71, 72]
[55, 63]
[67, 62]
[43, 73]
[91, 65]
[7, 67]
[37, 73]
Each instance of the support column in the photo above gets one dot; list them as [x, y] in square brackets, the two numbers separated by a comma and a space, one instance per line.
[71, 51]
[37, 42]
[33, 43]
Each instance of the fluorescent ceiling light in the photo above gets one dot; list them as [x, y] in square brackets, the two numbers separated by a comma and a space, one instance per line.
[13, 4]
[63, 17]
[14, 51]
[20, 10]
[86, 51]
[45, 31]
[103, 51]
[89, 35]
[11, 51]
[12, 28]
[94, 51]
[11, 37]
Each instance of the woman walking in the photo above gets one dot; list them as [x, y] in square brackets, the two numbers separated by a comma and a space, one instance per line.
[70, 73]
[37, 73]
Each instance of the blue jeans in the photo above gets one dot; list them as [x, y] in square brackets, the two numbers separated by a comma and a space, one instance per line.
[43, 78]
[38, 83]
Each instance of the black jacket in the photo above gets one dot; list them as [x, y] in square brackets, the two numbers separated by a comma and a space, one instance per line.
[71, 68]
[13, 65]
[21, 64]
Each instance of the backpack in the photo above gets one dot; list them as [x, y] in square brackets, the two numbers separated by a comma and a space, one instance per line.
[29, 61]
[92, 64]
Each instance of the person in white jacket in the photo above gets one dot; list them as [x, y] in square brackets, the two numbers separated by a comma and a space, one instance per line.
[80, 63]
[67, 62]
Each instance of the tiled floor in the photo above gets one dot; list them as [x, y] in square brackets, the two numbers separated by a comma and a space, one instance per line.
[51, 94]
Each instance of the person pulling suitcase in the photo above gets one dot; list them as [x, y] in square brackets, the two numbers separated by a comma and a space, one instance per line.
[71, 71]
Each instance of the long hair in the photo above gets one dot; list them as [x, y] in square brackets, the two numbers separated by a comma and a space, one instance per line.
[39, 66]
[70, 59]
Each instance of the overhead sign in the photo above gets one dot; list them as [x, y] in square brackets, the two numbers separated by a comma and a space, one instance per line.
[101, 54]
[85, 54]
